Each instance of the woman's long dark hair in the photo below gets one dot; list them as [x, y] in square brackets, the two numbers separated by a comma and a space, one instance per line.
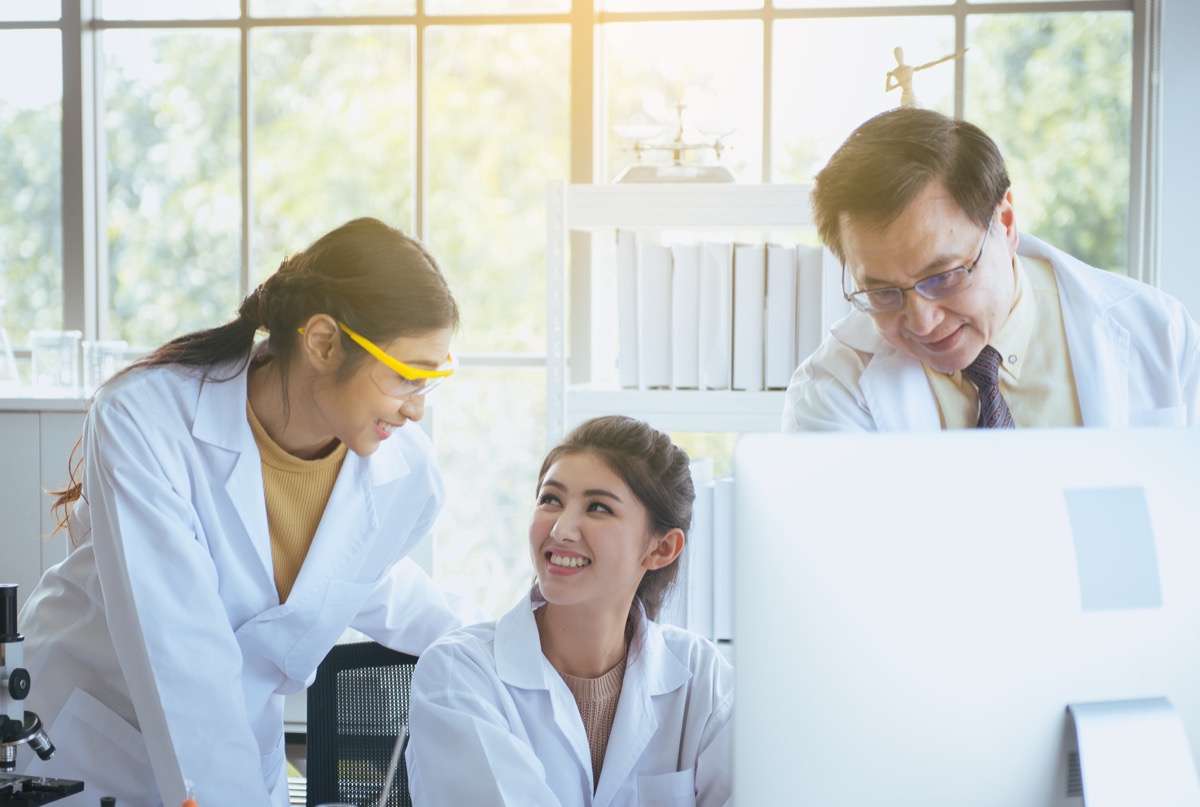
[657, 472]
[374, 278]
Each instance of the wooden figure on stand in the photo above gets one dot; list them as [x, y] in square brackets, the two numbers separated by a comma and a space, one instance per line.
[902, 75]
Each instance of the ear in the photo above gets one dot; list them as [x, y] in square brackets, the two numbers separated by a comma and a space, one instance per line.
[321, 343]
[664, 549]
[1008, 220]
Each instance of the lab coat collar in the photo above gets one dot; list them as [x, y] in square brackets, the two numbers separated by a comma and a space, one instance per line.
[519, 647]
[221, 421]
[651, 669]
[220, 398]
[898, 394]
[893, 383]
[222, 392]
[519, 652]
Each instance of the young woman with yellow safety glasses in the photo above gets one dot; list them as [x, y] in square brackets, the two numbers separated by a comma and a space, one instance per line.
[243, 501]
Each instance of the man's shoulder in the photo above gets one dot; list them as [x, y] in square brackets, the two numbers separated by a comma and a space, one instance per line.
[1114, 294]
[1081, 281]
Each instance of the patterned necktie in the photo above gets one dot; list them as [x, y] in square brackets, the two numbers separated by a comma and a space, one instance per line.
[984, 374]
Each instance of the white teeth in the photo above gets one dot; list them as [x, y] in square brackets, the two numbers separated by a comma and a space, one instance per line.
[387, 427]
[570, 562]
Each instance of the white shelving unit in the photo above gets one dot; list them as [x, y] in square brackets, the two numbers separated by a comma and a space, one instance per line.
[601, 210]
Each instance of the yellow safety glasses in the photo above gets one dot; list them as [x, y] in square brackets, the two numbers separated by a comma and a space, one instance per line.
[394, 377]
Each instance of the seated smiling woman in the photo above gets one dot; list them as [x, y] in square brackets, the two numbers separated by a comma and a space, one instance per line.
[576, 696]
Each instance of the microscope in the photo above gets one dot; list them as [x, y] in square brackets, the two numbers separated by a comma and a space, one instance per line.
[18, 726]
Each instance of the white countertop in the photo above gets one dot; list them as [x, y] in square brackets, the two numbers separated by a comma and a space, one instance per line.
[20, 398]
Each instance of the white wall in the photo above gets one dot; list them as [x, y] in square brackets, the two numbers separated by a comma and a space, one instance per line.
[1179, 248]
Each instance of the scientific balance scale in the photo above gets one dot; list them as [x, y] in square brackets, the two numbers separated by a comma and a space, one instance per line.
[679, 169]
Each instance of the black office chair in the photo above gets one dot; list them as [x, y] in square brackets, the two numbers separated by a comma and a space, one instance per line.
[357, 708]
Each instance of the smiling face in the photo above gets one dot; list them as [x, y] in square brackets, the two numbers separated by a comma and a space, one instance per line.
[358, 412]
[589, 536]
[931, 236]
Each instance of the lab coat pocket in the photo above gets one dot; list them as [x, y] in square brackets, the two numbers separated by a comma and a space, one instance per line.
[1166, 416]
[95, 744]
[272, 761]
[676, 789]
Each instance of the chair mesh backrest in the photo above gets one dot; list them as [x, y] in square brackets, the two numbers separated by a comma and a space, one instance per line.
[356, 707]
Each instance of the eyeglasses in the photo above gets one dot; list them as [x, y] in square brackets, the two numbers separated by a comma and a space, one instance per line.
[394, 377]
[934, 287]
[398, 379]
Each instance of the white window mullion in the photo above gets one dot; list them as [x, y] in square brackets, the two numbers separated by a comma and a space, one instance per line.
[80, 169]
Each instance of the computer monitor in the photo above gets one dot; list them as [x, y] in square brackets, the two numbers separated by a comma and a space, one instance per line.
[915, 613]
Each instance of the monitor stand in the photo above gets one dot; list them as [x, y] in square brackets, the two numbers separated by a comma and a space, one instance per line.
[1134, 752]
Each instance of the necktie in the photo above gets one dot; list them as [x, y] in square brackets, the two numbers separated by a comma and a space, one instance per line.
[984, 374]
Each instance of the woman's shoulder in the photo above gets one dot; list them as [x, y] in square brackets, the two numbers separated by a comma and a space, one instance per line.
[698, 653]
[148, 393]
[463, 653]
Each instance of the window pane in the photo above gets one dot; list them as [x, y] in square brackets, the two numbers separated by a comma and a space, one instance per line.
[30, 182]
[1054, 91]
[31, 10]
[332, 8]
[714, 68]
[490, 433]
[497, 112]
[675, 5]
[716, 446]
[334, 113]
[857, 3]
[170, 9]
[174, 209]
[496, 6]
[829, 76]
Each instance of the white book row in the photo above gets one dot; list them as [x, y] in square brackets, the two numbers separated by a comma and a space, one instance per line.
[715, 315]
[702, 600]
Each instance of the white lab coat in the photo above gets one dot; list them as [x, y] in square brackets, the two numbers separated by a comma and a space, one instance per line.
[493, 723]
[1135, 355]
[158, 649]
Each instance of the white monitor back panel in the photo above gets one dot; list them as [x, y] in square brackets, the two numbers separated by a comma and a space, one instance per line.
[913, 613]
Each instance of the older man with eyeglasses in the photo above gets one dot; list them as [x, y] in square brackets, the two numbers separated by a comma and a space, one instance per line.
[958, 320]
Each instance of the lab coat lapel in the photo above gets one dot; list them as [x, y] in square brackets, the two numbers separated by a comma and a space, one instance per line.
[897, 393]
[1099, 349]
[893, 384]
[651, 671]
[221, 421]
[346, 526]
[520, 663]
[1097, 343]
[351, 519]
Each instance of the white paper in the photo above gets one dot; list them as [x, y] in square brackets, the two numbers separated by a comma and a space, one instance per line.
[654, 315]
[749, 305]
[782, 282]
[685, 316]
[716, 314]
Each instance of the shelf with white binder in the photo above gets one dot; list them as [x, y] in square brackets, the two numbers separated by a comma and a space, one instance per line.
[602, 210]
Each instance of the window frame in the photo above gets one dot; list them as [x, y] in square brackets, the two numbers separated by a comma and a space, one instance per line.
[84, 270]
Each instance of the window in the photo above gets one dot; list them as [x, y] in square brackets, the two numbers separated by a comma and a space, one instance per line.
[31, 181]
[228, 134]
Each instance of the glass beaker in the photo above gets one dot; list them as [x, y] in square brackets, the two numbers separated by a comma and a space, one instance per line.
[55, 361]
[101, 361]
[8, 363]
